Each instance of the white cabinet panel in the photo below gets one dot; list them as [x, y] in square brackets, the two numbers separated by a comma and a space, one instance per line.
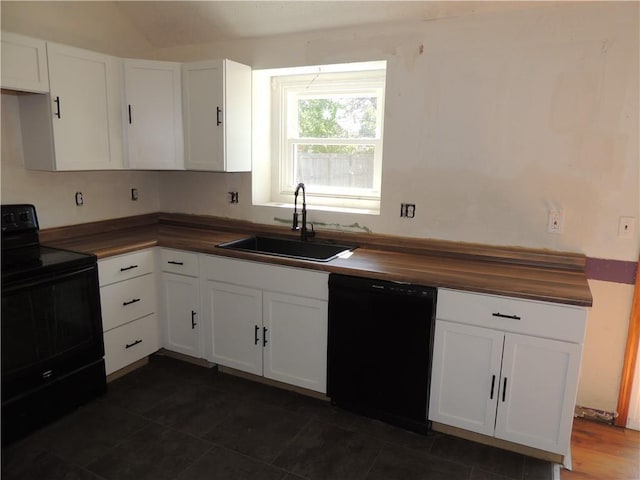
[131, 342]
[123, 267]
[125, 301]
[296, 340]
[465, 376]
[154, 115]
[79, 127]
[530, 317]
[24, 63]
[181, 319]
[217, 116]
[538, 388]
[178, 261]
[235, 314]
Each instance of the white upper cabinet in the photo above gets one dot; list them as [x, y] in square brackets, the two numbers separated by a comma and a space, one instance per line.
[79, 126]
[24, 63]
[217, 116]
[153, 115]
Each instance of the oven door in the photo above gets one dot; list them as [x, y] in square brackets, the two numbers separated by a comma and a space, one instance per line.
[51, 326]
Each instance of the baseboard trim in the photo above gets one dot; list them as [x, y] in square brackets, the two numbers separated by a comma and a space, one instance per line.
[496, 442]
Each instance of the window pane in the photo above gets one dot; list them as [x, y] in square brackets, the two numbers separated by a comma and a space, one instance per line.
[337, 117]
[346, 166]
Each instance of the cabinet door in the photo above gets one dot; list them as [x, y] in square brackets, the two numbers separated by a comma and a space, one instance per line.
[465, 376]
[536, 407]
[180, 323]
[204, 111]
[154, 115]
[85, 108]
[24, 63]
[295, 350]
[217, 116]
[235, 314]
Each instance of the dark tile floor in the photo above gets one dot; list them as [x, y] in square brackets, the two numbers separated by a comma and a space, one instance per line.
[174, 420]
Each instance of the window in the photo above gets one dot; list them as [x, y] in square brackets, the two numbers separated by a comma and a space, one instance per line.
[327, 130]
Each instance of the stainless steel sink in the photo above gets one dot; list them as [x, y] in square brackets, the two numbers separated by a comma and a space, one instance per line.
[284, 247]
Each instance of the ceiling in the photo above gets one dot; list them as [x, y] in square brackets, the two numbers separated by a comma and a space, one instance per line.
[177, 23]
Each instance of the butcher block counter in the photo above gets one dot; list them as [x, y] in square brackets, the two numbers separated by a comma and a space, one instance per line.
[517, 272]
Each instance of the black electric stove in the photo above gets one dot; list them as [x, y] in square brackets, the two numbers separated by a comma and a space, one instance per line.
[52, 344]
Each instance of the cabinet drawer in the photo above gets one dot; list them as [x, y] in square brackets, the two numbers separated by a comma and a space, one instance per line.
[125, 301]
[293, 281]
[177, 261]
[542, 319]
[123, 267]
[128, 343]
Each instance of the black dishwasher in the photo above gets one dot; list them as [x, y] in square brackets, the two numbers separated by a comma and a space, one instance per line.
[380, 345]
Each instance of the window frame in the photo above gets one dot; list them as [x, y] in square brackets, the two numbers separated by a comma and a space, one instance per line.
[366, 79]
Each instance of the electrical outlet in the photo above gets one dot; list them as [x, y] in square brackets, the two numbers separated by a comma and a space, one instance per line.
[626, 227]
[79, 199]
[134, 194]
[233, 197]
[555, 220]
[408, 210]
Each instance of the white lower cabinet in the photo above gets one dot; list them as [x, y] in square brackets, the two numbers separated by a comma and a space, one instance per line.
[295, 340]
[180, 293]
[236, 324]
[273, 324]
[496, 381]
[130, 342]
[129, 306]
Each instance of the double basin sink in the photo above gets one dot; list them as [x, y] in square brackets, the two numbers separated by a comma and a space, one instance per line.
[284, 247]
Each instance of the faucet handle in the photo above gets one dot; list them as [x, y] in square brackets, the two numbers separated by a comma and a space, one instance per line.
[311, 233]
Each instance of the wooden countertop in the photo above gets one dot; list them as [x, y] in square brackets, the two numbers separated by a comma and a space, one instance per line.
[522, 273]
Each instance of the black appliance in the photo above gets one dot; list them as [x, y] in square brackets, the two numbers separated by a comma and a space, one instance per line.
[380, 348]
[52, 344]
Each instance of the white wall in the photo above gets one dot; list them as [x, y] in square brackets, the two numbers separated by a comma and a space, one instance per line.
[490, 120]
[500, 117]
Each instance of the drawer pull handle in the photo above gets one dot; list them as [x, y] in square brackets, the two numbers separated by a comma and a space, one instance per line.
[130, 267]
[493, 384]
[173, 262]
[502, 315]
[504, 389]
[129, 345]
[135, 300]
[193, 320]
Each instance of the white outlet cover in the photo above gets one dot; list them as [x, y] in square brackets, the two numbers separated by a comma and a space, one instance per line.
[626, 227]
[555, 220]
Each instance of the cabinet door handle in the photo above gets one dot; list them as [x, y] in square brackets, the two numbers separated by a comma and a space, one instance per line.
[493, 384]
[130, 267]
[255, 335]
[57, 102]
[173, 262]
[130, 115]
[129, 345]
[135, 300]
[218, 112]
[502, 315]
[193, 321]
[264, 336]
[504, 389]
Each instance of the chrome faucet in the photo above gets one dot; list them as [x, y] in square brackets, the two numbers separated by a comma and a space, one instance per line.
[304, 232]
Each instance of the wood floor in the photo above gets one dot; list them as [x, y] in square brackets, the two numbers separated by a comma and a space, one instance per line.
[603, 452]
